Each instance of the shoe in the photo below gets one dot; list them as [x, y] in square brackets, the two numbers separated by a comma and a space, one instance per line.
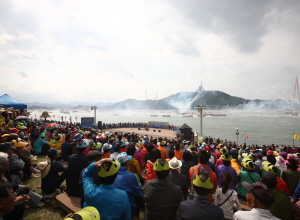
[62, 188]
[47, 199]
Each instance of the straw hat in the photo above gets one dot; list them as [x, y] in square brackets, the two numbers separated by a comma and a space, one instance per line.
[45, 114]
[44, 167]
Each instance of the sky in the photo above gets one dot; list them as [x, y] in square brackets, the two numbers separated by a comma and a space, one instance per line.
[113, 50]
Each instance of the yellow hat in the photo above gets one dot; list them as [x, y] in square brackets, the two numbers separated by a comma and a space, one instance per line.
[248, 164]
[207, 184]
[20, 144]
[87, 213]
[161, 164]
[226, 157]
[111, 171]
[267, 166]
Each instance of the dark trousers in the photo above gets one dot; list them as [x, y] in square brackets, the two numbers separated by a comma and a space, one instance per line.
[54, 184]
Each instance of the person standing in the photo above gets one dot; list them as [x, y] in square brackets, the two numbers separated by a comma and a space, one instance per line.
[162, 197]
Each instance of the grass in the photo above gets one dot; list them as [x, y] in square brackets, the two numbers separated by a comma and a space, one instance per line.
[43, 212]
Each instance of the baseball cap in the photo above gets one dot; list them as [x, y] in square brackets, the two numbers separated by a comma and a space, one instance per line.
[161, 164]
[260, 192]
[106, 171]
[52, 152]
[123, 157]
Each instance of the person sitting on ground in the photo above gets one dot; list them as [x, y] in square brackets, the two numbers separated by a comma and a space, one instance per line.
[226, 158]
[225, 197]
[127, 181]
[291, 176]
[56, 144]
[66, 148]
[162, 197]
[50, 169]
[246, 175]
[282, 206]
[259, 199]
[76, 163]
[177, 178]
[200, 207]
[7, 200]
[40, 146]
[110, 202]
[87, 213]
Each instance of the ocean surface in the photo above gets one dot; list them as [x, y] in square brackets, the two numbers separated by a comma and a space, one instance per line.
[262, 127]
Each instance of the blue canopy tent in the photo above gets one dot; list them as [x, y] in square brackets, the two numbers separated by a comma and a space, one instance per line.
[6, 101]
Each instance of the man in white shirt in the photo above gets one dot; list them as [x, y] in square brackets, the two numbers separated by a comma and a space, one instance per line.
[259, 198]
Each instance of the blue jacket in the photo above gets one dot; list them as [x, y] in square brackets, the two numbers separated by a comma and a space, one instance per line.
[127, 181]
[38, 145]
[297, 192]
[112, 203]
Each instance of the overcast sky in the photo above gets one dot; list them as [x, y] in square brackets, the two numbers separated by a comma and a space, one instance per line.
[108, 51]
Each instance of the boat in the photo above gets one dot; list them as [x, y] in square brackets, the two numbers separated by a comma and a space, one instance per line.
[153, 115]
[213, 115]
[188, 116]
[166, 115]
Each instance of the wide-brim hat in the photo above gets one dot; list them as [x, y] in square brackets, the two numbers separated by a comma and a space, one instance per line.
[44, 167]
[87, 213]
[174, 163]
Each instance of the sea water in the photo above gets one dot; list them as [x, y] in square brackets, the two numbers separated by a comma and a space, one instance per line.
[262, 127]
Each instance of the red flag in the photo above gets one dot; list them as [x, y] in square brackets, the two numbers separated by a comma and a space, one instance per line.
[246, 136]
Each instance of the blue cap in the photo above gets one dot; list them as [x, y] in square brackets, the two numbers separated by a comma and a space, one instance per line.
[124, 144]
[52, 152]
[84, 144]
[123, 157]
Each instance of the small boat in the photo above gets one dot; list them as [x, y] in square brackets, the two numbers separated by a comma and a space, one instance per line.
[166, 115]
[153, 115]
[188, 116]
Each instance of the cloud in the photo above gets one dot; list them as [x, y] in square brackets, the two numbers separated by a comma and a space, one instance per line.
[22, 74]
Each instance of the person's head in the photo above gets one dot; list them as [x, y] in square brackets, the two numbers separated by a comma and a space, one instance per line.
[267, 166]
[108, 172]
[202, 184]
[248, 164]
[20, 146]
[3, 162]
[131, 150]
[271, 159]
[174, 163]
[258, 195]
[269, 179]
[82, 144]
[226, 158]
[226, 179]
[93, 156]
[106, 147]
[7, 198]
[149, 147]
[7, 147]
[186, 155]
[292, 164]
[118, 148]
[203, 156]
[259, 155]
[177, 146]
[123, 159]
[162, 168]
[52, 153]
[171, 154]
[154, 154]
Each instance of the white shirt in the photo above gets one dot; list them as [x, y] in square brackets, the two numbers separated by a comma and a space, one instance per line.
[255, 213]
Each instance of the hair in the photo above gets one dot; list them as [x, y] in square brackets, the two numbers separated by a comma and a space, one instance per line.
[81, 149]
[162, 174]
[131, 150]
[109, 179]
[3, 158]
[226, 162]
[117, 147]
[201, 190]
[225, 181]
[177, 146]
[68, 136]
[149, 147]
[11, 137]
[154, 154]
[203, 157]
[171, 154]
[186, 155]
[154, 141]
[4, 192]
[89, 135]
[271, 159]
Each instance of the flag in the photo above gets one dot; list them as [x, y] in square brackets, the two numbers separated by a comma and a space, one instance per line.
[246, 136]
[297, 137]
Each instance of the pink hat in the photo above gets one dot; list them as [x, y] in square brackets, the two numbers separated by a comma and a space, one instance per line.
[290, 156]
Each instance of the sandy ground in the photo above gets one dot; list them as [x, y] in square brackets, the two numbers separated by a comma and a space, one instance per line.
[164, 132]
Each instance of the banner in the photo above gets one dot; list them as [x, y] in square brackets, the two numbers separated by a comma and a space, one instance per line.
[200, 138]
[157, 126]
[297, 137]
[87, 122]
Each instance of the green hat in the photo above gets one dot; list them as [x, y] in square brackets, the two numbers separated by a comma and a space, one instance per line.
[96, 146]
[111, 171]
[163, 143]
[224, 150]
[248, 164]
[42, 134]
[226, 157]
[161, 164]
[192, 146]
[111, 138]
[87, 213]
[207, 184]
